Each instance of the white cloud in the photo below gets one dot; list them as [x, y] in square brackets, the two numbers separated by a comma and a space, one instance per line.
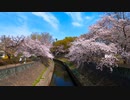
[76, 17]
[15, 30]
[48, 17]
[76, 24]
[87, 17]
[22, 19]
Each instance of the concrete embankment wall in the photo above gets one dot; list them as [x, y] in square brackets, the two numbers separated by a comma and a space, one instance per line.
[5, 72]
[47, 76]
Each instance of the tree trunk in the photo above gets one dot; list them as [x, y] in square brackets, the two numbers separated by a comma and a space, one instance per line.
[125, 61]
[9, 56]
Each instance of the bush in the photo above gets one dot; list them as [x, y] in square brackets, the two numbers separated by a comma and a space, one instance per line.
[28, 60]
[14, 60]
[2, 62]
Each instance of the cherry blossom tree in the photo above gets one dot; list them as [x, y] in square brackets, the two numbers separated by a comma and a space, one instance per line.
[112, 30]
[90, 51]
[119, 15]
[45, 38]
[60, 47]
[10, 44]
[106, 39]
[33, 47]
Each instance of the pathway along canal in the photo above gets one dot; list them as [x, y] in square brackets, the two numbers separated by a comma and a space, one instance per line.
[61, 76]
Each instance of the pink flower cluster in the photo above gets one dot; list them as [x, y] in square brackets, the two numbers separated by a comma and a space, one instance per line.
[33, 47]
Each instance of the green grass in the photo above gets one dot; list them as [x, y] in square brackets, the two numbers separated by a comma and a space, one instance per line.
[40, 77]
[121, 61]
[69, 63]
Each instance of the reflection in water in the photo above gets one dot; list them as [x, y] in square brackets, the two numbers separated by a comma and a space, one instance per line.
[60, 76]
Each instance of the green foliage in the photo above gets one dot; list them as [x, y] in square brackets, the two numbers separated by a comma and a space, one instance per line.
[65, 42]
[13, 60]
[121, 61]
[60, 47]
[2, 62]
[70, 64]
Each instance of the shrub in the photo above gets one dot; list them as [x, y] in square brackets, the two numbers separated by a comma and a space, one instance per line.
[2, 62]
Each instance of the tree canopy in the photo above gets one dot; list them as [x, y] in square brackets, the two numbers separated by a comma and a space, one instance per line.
[61, 46]
[106, 39]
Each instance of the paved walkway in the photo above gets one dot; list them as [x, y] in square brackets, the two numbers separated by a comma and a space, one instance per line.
[47, 76]
[23, 78]
[28, 76]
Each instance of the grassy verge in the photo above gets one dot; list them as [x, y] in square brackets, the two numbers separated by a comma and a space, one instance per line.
[71, 65]
[40, 77]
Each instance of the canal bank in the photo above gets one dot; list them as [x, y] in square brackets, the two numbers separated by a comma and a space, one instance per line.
[88, 75]
[63, 76]
[56, 73]
[45, 77]
[23, 75]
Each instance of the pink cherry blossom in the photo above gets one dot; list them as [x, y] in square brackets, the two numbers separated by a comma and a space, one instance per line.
[33, 47]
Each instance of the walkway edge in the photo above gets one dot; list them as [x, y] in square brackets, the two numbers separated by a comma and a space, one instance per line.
[47, 76]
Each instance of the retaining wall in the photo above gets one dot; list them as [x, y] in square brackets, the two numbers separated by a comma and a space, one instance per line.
[4, 73]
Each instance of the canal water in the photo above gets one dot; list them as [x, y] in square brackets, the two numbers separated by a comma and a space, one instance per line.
[61, 76]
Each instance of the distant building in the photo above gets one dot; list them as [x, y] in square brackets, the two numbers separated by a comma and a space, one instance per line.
[3, 55]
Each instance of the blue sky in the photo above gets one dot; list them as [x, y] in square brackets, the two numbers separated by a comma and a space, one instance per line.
[58, 24]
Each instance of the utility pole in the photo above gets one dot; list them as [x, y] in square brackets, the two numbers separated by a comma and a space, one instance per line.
[4, 42]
